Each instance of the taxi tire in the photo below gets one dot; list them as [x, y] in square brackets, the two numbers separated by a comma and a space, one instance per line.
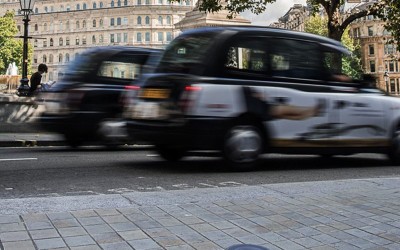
[394, 150]
[243, 145]
[73, 141]
[170, 153]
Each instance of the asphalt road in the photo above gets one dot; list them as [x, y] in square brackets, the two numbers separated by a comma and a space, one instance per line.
[59, 171]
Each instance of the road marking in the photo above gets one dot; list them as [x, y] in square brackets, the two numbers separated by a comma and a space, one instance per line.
[19, 159]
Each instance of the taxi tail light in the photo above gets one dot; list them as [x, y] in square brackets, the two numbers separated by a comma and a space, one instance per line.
[131, 91]
[187, 97]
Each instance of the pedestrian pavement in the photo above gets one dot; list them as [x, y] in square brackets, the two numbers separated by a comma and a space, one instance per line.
[31, 139]
[323, 215]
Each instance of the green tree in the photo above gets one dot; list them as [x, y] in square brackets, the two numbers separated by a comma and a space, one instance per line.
[11, 47]
[338, 21]
[389, 11]
[351, 65]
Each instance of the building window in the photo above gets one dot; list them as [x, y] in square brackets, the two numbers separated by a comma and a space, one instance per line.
[94, 23]
[160, 20]
[67, 57]
[35, 59]
[67, 41]
[147, 20]
[101, 39]
[139, 20]
[77, 41]
[44, 59]
[51, 58]
[125, 37]
[168, 20]
[35, 43]
[160, 36]
[36, 10]
[372, 66]
[101, 22]
[77, 25]
[44, 43]
[370, 31]
[60, 42]
[392, 86]
[67, 25]
[160, 2]
[147, 37]
[187, 2]
[371, 50]
[44, 27]
[94, 6]
[36, 27]
[139, 2]
[112, 3]
[84, 24]
[60, 58]
[84, 6]
[61, 26]
[84, 40]
[118, 37]
[147, 2]
[112, 40]
[101, 4]
[112, 22]
[118, 21]
[389, 48]
[125, 2]
[139, 37]
[169, 36]
[78, 6]
[46, 9]
[125, 21]
[119, 3]
[68, 8]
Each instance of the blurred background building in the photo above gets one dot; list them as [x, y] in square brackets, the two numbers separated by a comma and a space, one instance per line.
[60, 30]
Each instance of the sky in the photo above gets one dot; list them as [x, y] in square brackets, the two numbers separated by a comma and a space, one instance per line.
[273, 13]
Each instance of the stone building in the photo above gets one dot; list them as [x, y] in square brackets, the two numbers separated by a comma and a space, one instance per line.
[379, 56]
[61, 29]
[294, 19]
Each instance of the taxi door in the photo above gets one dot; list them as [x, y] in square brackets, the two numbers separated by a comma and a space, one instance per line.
[361, 120]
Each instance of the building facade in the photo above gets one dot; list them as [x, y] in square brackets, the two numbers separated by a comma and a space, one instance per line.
[294, 19]
[379, 56]
[61, 29]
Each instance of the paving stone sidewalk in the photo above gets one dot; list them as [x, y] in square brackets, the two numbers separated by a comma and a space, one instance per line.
[350, 214]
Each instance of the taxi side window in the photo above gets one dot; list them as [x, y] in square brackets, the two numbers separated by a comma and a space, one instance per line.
[249, 56]
[295, 59]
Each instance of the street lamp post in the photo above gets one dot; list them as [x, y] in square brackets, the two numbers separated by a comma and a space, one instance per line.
[386, 76]
[26, 9]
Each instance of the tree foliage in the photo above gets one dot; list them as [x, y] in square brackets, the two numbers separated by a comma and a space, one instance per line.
[351, 65]
[10, 47]
[338, 21]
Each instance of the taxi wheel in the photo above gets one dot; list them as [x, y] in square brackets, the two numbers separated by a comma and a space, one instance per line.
[73, 141]
[170, 153]
[394, 150]
[242, 147]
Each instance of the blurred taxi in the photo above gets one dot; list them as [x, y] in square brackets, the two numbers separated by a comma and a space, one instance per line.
[81, 105]
[245, 91]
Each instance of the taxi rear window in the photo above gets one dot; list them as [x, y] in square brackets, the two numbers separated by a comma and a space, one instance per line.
[185, 52]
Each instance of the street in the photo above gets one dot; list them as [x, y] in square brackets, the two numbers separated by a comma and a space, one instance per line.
[60, 171]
